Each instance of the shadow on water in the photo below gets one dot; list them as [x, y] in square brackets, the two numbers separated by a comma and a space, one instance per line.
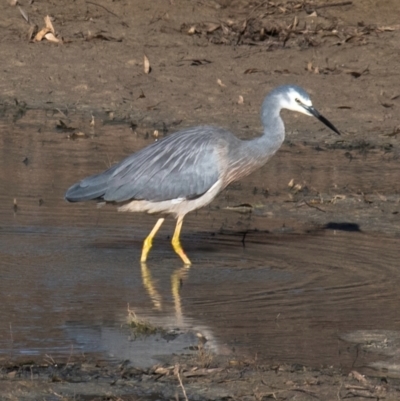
[69, 272]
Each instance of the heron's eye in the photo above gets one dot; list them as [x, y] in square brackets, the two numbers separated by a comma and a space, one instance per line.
[297, 100]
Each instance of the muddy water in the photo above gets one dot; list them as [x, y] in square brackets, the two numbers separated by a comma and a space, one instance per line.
[285, 283]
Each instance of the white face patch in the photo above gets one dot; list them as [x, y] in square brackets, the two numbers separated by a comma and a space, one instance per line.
[295, 102]
[293, 95]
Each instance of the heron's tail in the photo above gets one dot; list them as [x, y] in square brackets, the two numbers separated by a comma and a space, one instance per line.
[91, 188]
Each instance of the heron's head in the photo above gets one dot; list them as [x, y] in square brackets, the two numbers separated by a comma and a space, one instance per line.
[294, 98]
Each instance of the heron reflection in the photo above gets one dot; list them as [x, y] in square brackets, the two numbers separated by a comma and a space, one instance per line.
[177, 277]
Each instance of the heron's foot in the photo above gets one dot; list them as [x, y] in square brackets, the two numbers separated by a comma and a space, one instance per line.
[149, 240]
[147, 244]
[176, 244]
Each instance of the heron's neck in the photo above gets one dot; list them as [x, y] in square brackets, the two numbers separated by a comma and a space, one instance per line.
[265, 146]
[254, 153]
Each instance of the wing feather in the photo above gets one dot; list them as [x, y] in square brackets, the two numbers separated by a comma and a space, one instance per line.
[183, 165]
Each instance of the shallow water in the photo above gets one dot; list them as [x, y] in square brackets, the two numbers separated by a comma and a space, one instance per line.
[285, 294]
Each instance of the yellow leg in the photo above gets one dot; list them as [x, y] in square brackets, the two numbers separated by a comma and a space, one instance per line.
[149, 240]
[177, 244]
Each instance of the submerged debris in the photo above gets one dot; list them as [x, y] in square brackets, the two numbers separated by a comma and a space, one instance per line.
[139, 326]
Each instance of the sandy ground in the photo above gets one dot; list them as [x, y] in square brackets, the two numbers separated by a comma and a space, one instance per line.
[212, 62]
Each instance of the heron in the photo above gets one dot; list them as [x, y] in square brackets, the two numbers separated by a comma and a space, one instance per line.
[186, 170]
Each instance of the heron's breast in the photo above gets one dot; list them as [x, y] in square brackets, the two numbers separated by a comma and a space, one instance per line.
[177, 207]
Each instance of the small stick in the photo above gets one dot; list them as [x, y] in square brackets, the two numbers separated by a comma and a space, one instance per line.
[343, 3]
[99, 5]
[12, 341]
[315, 207]
[176, 371]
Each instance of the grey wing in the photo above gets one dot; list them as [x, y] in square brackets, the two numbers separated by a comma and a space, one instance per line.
[184, 165]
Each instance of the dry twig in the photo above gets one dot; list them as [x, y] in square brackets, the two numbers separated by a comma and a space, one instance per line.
[177, 374]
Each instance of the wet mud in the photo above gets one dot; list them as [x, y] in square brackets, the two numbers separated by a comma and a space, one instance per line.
[293, 291]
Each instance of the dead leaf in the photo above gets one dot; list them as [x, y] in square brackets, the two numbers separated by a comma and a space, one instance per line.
[313, 14]
[192, 30]
[386, 28]
[381, 197]
[338, 197]
[201, 372]
[77, 135]
[219, 82]
[48, 32]
[359, 377]
[40, 35]
[211, 27]
[146, 65]
[48, 23]
[51, 38]
[311, 68]
[92, 123]
[241, 100]
[357, 38]
[163, 371]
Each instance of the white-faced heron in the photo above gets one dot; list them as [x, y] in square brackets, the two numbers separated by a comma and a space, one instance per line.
[185, 171]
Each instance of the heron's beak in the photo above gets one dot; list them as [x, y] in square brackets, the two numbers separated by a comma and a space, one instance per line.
[321, 118]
